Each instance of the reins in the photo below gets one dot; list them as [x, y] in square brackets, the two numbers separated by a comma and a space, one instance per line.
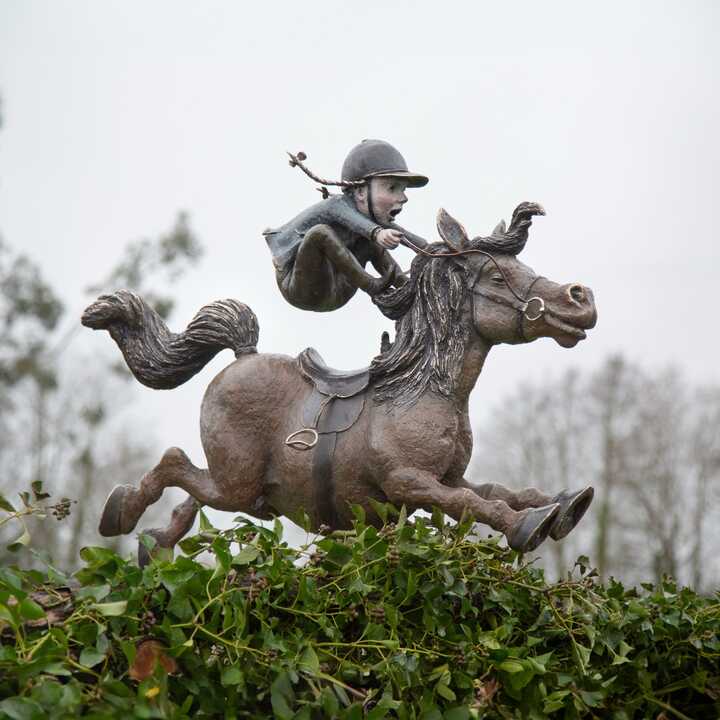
[524, 301]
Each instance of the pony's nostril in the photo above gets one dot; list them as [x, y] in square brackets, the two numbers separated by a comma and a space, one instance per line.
[577, 292]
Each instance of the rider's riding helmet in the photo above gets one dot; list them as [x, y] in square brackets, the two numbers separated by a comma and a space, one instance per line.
[375, 158]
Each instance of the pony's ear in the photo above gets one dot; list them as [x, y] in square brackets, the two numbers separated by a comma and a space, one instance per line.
[500, 229]
[451, 231]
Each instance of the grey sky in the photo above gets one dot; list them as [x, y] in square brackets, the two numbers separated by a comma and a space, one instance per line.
[117, 114]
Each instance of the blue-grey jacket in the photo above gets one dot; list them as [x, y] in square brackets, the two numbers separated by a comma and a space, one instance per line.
[338, 211]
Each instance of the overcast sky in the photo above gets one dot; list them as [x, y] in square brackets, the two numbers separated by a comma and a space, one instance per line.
[119, 114]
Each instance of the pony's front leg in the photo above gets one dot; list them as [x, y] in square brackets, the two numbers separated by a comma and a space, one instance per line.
[516, 499]
[524, 529]
[573, 504]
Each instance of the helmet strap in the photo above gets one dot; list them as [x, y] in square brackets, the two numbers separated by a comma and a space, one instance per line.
[371, 210]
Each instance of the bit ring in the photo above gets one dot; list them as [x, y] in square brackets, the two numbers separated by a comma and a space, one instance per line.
[540, 311]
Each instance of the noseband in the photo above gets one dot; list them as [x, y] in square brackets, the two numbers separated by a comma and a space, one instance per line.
[520, 303]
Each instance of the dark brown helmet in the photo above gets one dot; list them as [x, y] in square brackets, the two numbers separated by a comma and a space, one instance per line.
[377, 158]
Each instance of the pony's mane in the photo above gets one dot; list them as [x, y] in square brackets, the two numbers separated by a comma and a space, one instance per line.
[430, 337]
[510, 240]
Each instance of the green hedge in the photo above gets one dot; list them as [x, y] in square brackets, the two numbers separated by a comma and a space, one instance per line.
[415, 620]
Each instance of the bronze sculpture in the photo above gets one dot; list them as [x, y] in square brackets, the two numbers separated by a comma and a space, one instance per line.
[320, 255]
[283, 433]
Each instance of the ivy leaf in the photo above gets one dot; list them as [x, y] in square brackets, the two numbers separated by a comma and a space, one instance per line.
[278, 529]
[582, 563]
[246, 556]
[110, 609]
[309, 660]
[5, 504]
[458, 713]
[37, 491]
[22, 709]
[445, 692]
[96, 592]
[231, 676]
[21, 541]
[592, 699]
[30, 610]
[335, 552]
[583, 655]
[90, 657]
[402, 519]
[381, 509]
[511, 666]
[205, 524]
[282, 697]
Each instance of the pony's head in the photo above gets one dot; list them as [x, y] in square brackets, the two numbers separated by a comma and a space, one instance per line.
[465, 288]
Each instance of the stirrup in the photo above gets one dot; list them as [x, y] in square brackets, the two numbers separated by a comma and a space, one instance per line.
[293, 439]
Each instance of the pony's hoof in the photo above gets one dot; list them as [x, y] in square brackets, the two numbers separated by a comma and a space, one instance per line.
[572, 507]
[532, 528]
[111, 521]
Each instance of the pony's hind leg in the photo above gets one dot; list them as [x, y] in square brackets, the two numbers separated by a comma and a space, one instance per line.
[183, 517]
[126, 504]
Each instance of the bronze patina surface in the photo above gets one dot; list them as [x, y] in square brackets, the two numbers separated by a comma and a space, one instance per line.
[408, 439]
[320, 255]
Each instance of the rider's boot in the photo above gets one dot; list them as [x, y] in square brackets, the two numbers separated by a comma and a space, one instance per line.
[532, 527]
[573, 506]
[375, 285]
[121, 511]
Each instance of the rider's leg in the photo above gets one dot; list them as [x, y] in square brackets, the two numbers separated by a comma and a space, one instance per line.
[385, 264]
[321, 258]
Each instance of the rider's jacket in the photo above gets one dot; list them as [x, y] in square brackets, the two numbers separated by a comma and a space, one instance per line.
[338, 211]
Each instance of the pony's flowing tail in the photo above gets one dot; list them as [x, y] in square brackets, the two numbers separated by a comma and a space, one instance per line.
[162, 359]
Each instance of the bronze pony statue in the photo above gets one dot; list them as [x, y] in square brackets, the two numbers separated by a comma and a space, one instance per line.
[397, 432]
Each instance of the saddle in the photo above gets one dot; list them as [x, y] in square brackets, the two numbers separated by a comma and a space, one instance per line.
[334, 405]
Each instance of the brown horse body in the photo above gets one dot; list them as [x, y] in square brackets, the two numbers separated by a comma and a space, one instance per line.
[412, 441]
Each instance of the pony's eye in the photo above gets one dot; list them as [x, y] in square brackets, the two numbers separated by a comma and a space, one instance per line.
[497, 280]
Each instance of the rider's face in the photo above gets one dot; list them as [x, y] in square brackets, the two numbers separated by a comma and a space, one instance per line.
[388, 197]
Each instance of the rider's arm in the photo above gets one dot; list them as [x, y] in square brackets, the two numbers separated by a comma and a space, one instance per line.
[414, 239]
[345, 213]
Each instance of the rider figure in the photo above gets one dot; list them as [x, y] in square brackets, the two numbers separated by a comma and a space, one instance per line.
[320, 255]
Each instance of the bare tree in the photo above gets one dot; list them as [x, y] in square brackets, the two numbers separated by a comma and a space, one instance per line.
[612, 396]
[537, 437]
[648, 443]
[52, 418]
[703, 462]
[654, 482]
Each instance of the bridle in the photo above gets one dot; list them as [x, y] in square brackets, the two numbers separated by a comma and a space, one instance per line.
[519, 303]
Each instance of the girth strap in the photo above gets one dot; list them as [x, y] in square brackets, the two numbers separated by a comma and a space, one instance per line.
[334, 406]
[322, 474]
